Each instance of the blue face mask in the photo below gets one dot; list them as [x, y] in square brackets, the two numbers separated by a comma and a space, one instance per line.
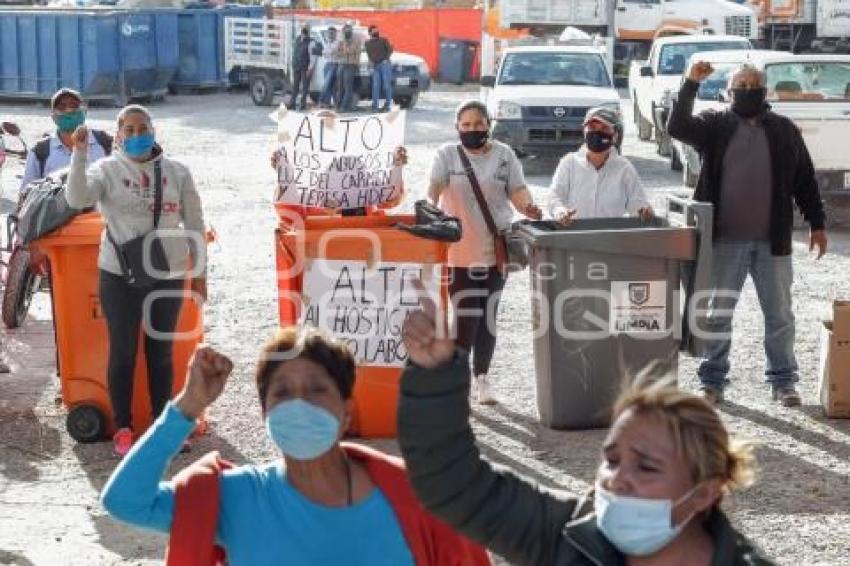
[138, 146]
[302, 430]
[635, 526]
[69, 121]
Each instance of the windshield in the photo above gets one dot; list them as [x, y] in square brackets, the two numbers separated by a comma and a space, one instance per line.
[828, 82]
[717, 82]
[674, 58]
[554, 69]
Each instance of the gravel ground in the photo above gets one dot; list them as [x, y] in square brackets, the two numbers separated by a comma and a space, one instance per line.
[799, 511]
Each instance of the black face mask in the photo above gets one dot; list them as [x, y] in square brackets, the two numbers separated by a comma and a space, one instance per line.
[348, 34]
[748, 102]
[474, 139]
[375, 34]
[598, 142]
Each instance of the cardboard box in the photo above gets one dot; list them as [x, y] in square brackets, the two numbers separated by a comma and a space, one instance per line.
[834, 373]
[841, 319]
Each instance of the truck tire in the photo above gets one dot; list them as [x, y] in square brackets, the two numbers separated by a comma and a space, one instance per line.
[408, 102]
[21, 284]
[644, 126]
[675, 161]
[262, 90]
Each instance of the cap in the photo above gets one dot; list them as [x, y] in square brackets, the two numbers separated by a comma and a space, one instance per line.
[608, 116]
[62, 92]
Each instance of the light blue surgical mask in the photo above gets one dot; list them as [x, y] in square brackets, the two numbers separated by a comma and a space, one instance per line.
[138, 146]
[302, 430]
[69, 121]
[636, 526]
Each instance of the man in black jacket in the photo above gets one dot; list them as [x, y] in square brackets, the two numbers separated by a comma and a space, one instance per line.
[302, 67]
[755, 167]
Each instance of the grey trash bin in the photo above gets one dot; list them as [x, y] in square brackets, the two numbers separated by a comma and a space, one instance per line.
[607, 302]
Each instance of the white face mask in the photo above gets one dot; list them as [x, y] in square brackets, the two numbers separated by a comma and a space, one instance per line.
[636, 526]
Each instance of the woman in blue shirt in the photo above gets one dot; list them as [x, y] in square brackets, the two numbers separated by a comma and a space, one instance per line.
[320, 504]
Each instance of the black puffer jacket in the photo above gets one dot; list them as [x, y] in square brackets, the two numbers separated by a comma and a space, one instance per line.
[507, 514]
[793, 173]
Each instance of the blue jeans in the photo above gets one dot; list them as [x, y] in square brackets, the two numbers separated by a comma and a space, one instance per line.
[772, 277]
[329, 83]
[382, 80]
[346, 78]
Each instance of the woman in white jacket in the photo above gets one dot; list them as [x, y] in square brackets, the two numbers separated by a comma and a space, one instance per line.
[124, 188]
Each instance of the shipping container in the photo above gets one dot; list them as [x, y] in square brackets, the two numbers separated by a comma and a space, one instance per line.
[106, 54]
[201, 39]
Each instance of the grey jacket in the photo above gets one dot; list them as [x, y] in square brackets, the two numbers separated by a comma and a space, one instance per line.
[509, 515]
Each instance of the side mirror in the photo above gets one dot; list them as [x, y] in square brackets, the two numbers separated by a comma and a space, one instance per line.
[11, 128]
[646, 71]
[488, 81]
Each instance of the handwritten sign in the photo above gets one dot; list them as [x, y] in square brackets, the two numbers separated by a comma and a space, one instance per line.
[365, 307]
[339, 161]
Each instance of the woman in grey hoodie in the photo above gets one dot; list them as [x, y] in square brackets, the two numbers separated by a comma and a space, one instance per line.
[125, 187]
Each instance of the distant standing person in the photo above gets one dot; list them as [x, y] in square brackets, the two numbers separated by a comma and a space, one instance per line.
[348, 50]
[379, 50]
[302, 68]
[755, 167]
[328, 96]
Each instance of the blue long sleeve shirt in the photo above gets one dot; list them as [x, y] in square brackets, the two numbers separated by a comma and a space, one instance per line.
[262, 518]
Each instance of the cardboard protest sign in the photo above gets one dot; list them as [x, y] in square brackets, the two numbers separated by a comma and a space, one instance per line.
[334, 161]
[365, 306]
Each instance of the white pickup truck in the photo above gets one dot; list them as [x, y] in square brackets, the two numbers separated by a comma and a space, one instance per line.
[540, 95]
[654, 82]
[811, 90]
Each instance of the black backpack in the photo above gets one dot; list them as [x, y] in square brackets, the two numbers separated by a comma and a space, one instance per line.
[42, 148]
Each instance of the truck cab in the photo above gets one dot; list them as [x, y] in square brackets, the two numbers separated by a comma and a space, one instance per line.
[654, 82]
[540, 95]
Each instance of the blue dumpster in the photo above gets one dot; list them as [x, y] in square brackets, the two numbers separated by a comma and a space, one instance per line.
[106, 54]
[201, 39]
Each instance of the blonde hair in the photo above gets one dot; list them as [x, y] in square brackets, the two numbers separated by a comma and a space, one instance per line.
[699, 434]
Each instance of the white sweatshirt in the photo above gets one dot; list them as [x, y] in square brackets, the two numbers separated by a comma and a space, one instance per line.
[124, 191]
[612, 191]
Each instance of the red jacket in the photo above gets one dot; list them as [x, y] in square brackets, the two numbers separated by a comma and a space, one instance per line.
[432, 542]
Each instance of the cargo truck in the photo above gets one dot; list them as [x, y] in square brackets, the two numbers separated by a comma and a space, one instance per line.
[803, 26]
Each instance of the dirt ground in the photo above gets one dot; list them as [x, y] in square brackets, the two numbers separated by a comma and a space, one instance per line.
[798, 512]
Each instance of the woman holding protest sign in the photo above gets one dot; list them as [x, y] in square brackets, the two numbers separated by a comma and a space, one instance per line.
[666, 464]
[323, 502]
[153, 222]
[481, 182]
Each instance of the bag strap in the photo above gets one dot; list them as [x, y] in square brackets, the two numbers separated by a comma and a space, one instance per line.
[157, 192]
[42, 152]
[479, 195]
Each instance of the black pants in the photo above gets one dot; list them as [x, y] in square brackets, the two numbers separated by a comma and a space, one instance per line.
[301, 78]
[122, 306]
[479, 290]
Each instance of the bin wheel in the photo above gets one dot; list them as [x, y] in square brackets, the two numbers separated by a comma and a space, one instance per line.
[262, 90]
[21, 284]
[85, 423]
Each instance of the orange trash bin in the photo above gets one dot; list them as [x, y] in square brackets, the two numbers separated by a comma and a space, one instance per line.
[351, 242]
[82, 340]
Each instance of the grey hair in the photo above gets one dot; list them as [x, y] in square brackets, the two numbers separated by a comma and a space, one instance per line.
[473, 105]
[747, 69]
[131, 109]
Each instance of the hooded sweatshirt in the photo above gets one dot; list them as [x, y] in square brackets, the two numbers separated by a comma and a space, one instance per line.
[123, 189]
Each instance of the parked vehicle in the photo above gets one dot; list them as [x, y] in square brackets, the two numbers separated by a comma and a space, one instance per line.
[654, 82]
[814, 92]
[540, 96]
[259, 53]
[24, 272]
[802, 26]
[633, 24]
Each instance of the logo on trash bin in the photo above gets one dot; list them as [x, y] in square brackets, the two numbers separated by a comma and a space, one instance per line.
[638, 293]
[559, 112]
[129, 29]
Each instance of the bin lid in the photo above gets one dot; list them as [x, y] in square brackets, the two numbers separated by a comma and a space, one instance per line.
[619, 236]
